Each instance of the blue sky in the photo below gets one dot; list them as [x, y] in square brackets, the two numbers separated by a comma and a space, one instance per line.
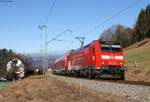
[20, 19]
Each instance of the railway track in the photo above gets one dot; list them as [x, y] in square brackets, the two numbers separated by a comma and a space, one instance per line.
[114, 81]
[126, 82]
[109, 80]
[133, 82]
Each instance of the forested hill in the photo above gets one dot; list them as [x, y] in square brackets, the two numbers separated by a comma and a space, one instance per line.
[126, 35]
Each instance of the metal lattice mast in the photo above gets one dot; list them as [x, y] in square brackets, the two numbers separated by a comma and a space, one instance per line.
[45, 50]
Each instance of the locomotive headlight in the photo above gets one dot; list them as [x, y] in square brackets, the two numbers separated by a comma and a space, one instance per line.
[105, 57]
[120, 63]
[119, 57]
[104, 62]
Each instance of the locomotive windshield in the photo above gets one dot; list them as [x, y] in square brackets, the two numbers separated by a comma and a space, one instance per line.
[116, 50]
[111, 48]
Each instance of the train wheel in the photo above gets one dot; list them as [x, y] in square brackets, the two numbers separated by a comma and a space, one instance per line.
[70, 74]
[75, 74]
[122, 76]
[78, 73]
[91, 76]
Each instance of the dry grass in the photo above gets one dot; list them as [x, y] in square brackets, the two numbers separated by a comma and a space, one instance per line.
[52, 90]
[139, 52]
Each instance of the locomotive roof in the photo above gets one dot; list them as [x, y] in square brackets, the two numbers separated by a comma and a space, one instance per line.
[76, 50]
[101, 42]
[109, 42]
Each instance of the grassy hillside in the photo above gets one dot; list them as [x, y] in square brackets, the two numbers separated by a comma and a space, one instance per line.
[138, 53]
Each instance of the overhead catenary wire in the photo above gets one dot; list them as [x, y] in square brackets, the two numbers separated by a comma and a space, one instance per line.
[47, 18]
[55, 38]
[115, 15]
[49, 12]
[102, 6]
[65, 41]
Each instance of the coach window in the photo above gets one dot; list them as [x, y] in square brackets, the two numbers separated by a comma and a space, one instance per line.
[93, 49]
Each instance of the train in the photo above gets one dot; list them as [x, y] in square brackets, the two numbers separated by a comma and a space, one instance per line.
[97, 59]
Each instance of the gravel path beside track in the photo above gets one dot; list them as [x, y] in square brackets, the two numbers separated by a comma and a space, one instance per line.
[135, 92]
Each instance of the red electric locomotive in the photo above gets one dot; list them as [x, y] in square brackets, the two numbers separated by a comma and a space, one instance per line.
[97, 59]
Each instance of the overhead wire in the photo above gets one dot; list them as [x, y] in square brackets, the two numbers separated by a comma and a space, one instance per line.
[49, 12]
[103, 6]
[55, 38]
[115, 15]
[46, 20]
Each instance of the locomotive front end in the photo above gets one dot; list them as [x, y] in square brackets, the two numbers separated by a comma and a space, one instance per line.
[111, 59]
